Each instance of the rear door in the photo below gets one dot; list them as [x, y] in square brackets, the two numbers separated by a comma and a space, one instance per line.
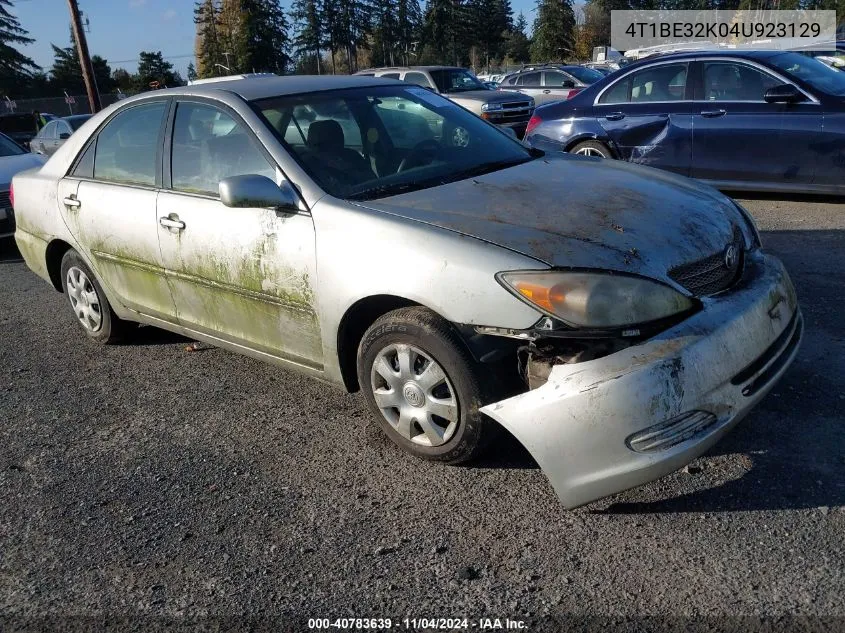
[647, 114]
[109, 205]
[739, 137]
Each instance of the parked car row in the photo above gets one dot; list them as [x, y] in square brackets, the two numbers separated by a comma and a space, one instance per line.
[759, 120]
[371, 234]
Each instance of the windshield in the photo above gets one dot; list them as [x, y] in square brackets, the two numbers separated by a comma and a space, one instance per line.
[366, 143]
[584, 75]
[817, 74]
[8, 147]
[455, 80]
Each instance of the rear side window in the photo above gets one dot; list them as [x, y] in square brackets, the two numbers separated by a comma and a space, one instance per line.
[127, 146]
[210, 145]
[417, 78]
[530, 80]
[666, 82]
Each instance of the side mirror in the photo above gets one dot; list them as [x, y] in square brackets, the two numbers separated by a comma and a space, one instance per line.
[252, 190]
[64, 135]
[567, 83]
[784, 93]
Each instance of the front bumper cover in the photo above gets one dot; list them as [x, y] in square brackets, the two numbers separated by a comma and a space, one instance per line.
[721, 361]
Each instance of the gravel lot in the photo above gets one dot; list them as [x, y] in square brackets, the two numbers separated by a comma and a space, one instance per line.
[146, 482]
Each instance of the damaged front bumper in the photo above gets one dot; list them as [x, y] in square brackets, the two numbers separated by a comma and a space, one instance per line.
[602, 426]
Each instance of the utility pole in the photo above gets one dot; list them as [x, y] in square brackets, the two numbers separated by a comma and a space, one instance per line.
[84, 58]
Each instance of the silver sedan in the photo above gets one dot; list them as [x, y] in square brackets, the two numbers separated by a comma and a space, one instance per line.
[616, 320]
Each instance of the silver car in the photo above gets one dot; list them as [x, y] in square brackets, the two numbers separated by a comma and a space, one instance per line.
[616, 320]
[53, 135]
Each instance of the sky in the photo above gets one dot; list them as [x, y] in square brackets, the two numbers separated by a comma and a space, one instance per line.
[120, 29]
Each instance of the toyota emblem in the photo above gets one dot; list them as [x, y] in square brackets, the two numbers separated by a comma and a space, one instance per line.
[730, 257]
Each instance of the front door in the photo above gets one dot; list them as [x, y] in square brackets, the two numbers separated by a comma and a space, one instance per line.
[739, 137]
[241, 275]
[109, 204]
[647, 114]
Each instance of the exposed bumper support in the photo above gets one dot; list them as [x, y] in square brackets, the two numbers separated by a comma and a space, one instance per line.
[721, 361]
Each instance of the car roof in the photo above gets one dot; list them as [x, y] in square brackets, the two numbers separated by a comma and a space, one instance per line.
[253, 88]
[389, 68]
[709, 52]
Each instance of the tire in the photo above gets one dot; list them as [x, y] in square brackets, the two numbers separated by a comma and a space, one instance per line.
[464, 386]
[592, 148]
[88, 302]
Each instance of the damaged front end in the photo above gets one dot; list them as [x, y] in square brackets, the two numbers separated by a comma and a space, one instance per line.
[607, 410]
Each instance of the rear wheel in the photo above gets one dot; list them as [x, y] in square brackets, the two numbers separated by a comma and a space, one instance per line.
[591, 148]
[424, 387]
[89, 303]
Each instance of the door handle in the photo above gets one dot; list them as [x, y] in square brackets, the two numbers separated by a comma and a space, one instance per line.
[712, 114]
[547, 92]
[71, 202]
[170, 223]
[615, 116]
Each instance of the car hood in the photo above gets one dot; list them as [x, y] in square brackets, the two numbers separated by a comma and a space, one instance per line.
[578, 212]
[486, 96]
[10, 165]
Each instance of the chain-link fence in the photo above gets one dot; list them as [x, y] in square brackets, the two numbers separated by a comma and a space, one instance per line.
[60, 106]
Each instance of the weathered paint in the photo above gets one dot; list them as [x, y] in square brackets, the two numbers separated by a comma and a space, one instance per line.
[245, 274]
[570, 212]
[576, 424]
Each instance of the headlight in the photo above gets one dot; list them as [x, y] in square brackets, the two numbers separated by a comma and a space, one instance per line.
[491, 107]
[595, 300]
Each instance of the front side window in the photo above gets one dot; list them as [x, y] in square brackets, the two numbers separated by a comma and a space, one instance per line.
[210, 145]
[390, 76]
[733, 81]
[48, 131]
[555, 79]
[127, 146]
[62, 128]
[377, 141]
[666, 82]
[529, 80]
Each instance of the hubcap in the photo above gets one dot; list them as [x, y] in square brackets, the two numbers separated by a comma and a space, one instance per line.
[84, 300]
[590, 151]
[414, 395]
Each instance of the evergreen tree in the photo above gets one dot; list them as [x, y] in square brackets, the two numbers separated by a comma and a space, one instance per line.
[553, 31]
[208, 48]
[192, 72]
[263, 38]
[15, 67]
[66, 73]
[152, 67]
[409, 18]
[307, 20]
[518, 44]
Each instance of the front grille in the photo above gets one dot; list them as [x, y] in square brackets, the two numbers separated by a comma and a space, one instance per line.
[711, 274]
[513, 112]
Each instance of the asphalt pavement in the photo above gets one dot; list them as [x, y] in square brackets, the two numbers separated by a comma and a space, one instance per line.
[145, 485]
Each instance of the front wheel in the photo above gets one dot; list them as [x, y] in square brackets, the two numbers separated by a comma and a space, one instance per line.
[424, 387]
[591, 148]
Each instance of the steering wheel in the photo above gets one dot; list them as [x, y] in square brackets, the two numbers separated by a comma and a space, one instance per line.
[428, 146]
